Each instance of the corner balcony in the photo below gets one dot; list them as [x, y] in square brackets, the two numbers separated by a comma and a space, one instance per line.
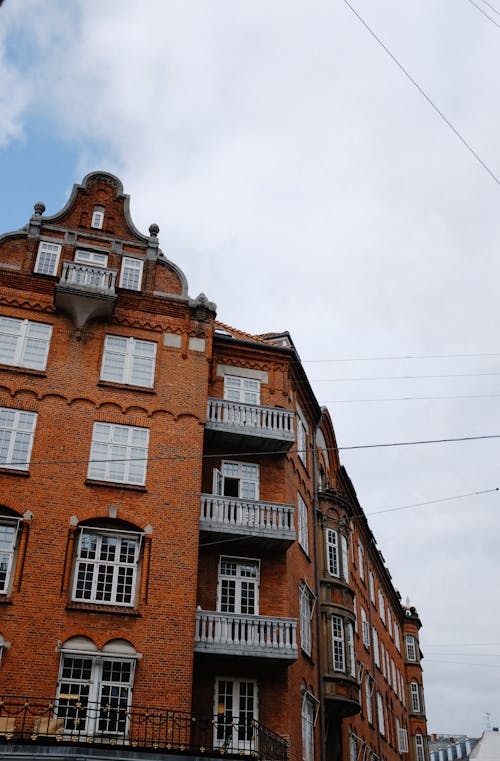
[71, 726]
[267, 521]
[250, 636]
[250, 426]
[86, 292]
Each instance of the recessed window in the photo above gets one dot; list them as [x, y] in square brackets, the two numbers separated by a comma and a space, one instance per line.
[381, 606]
[402, 737]
[306, 607]
[128, 360]
[365, 631]
[236, 708]
[237, 479]
[303, 527]
[361, 561]
[9, 531]
[301, 436]
[238, 586]
[97, 217]
[47, 260]
[411, 650]
[415, 697]
[119, 453]
[91, 257]
[368, 697]
[338, 644]
[380, 713]
[242, 390]
[17, 429]
[24, 343]
[308, 704]
[131, 273]
[376, 651]
[106, 566]
[397, 638]
[419, 747]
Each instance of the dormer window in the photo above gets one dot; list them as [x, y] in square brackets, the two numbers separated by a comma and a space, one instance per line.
[97, 217]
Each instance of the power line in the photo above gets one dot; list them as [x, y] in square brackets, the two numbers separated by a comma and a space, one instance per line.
[410, 398]
[484, 13]
[492, 7]
[464, 663]
[403, 377]
[430, 502]
[401, 356]
[424, 94]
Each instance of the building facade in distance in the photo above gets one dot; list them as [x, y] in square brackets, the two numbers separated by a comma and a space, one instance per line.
[185, 568]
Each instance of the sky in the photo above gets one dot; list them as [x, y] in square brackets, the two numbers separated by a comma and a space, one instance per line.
[303, 182]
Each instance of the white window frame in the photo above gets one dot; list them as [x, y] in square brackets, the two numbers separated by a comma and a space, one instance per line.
[241, 390]
[415, 697]
[402, 738]
[380, 714]
[381, 606]
[9, 533]
[382, 657]
[91, 257]
[242, 585]
[302, 430]
[47, 258]
[411, 648]
[105, 580]
[332, 552]
[387, 666]
[376, 651]
[351, 649]
[397, 636]
[371, 586]
[303, 524]
[92, 690]
[231, 731]
[419, 747]
[240, 472]
[353, 747]
[131, 273]
[389, 621]
[23, 338]
[361, 561]
[345, 558]
[355, 607]
[16, 438]
[338, 644]
[365, 631]
[113, 446]
[368, 698]
[307, 601]
[97, 217]
[394, 676]
[128, 351]
[308, 705]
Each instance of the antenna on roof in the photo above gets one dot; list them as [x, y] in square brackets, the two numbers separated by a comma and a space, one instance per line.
[488, 721]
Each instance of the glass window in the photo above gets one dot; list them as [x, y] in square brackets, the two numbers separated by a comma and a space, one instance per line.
[338, 645]
[17, 429]
[368, 697]
[131, 273]
[306, 601]
[128, 360]
[24, 343]
[47, 260]
[364, 628]
[301, 436]
[380, 714]
[238, 587]
[241, 390]
[237, 479]
[91, 257]
[237, 713]
[361, 561]
[415, 697]
[119, 453]
[411, 650]
[8, 536]
[303, 532]
[332, 552]
[97, 217]
[419, 745]
[307, 728]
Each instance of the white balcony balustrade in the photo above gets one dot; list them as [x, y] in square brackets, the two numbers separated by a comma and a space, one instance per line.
[88, 277]
[236, 634]
[247, 517]
[272, 426]
[86, 292]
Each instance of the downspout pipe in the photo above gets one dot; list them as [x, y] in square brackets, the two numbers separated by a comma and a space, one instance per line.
[317, 513]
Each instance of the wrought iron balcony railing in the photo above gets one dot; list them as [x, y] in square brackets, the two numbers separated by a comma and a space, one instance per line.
[237, 634]
[72, 720]
[243, 516]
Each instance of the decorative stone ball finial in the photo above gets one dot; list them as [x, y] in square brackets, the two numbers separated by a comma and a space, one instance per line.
[39, 207]
[154, 230]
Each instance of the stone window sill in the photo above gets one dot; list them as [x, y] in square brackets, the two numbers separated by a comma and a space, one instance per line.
[114, 485]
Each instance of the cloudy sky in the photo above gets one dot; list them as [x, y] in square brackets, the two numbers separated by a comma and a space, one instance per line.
[303, 183]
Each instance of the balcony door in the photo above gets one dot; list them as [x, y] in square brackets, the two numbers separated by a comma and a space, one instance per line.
[240, 480]
[238, 586]
[236, 711]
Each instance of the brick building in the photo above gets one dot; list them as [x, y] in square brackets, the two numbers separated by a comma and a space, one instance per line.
[184, 565]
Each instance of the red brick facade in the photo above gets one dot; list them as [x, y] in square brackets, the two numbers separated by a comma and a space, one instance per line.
[174, 517]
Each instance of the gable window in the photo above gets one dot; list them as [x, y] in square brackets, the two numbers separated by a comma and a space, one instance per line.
[119, 453]
[241, 390]
[95, 687]
[128, 360]
[411, 650]
[47, 259]
[238, 587]
[338, 644]
[303, 532]
[97, 217]
[301, 436]
[236, 708]
[308, 727]
[9, 531]
[131, 273]
[106, 566]
[306, 609]
[24, 343]
[17, 429]
[237, 479]
[415, 697]
[365, 632]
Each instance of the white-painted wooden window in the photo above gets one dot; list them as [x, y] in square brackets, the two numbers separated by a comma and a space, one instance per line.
[238, 586]
[131, 273]
[353, 748]
[97, 217]
[381, 606]
[8, 536]
[411, 650]
[106, 567]
[301, 436]
[24, 343]
[338, 643]
[354, 605]
[397, 636]
[332, 552]
[306, 609]
[419, 746]
[376, 651]
[365, 631]
[236, 708]
[361, 561]
[307, 728]
[371, 586]
[380, 714]
[17, 430]
[389, 621]
[345, 558]
[387, 666]
[382, 657]
[91, 257]
[119, 453]
[415, 697]
[368, 697]
[237, 479]
[241, 390]
[352, 651]
[47, 259]
[402, 737]
[394, 678]
[303, 524]
[128, 360]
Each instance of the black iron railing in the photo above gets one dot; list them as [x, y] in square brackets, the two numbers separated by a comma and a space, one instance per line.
[68, 721]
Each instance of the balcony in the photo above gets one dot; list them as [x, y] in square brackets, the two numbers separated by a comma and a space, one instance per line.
[86, 292]
[250, 427]
[33, 722]
[254, 636]
[273, 523]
